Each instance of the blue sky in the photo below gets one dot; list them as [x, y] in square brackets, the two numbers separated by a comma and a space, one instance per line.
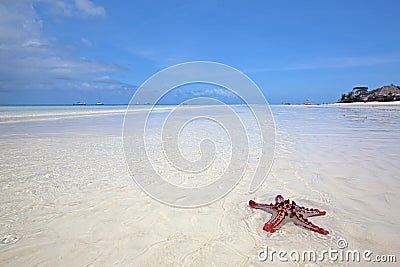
[63, 51]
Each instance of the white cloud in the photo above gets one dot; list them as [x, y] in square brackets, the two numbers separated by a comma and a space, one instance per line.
[82, 8]
[88, 8]
[113, 84]
[30, 59]
[85, 85]
[87, 42]
[214, 92]
[106, 79]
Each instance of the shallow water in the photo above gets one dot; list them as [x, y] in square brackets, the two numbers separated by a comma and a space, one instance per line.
[67, 197]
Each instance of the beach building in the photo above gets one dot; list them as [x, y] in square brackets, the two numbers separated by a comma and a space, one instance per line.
[360, 91]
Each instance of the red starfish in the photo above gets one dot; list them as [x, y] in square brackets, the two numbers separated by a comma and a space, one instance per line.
[283, 211]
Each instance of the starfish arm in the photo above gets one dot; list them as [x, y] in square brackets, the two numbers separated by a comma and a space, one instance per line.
[305, 212]
[279, 199]
[274, 223]
[265, 207]
[300, 220]
[286, 210]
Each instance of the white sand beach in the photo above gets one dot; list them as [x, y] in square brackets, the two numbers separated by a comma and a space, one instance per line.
[369, 104]
[67, 197]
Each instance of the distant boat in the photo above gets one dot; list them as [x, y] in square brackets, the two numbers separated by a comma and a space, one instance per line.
[99, 102]
[79, 104]
[308, 102]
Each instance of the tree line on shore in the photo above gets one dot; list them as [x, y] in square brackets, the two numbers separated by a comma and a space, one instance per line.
[361, 94]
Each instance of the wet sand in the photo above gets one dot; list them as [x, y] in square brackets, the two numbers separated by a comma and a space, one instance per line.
[67, 197]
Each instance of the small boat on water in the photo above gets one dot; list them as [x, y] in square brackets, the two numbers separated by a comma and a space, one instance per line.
[308, 102]
[79, 104]
[99, 103]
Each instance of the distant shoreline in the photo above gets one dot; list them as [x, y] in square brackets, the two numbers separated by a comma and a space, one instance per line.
[58, 105]
[370, 103]
[350, 104]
